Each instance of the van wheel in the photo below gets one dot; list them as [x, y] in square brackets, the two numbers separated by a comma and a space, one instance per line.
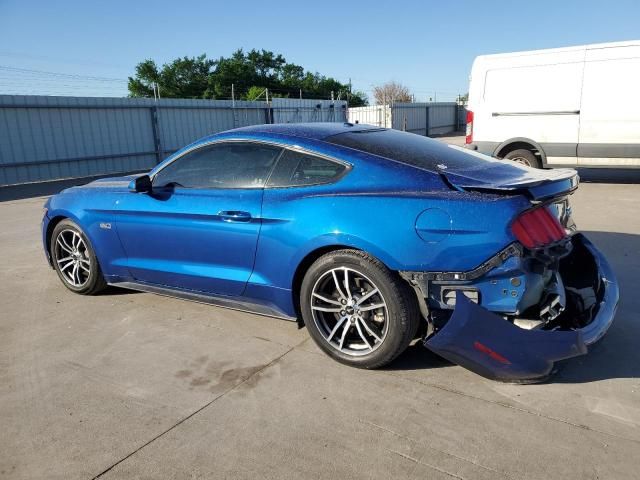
[525, 157]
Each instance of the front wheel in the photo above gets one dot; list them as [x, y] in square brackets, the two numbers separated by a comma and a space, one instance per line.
[356, 310]
[74, 260]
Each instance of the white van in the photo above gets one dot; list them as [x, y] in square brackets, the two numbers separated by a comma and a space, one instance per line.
[576, 106]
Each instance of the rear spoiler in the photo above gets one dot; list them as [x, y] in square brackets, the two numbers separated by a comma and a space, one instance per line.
[538, 186]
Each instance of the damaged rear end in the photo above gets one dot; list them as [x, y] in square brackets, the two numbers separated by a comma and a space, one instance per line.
[545, 297]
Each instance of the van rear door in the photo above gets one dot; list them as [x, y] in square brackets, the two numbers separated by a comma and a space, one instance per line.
[610, 111]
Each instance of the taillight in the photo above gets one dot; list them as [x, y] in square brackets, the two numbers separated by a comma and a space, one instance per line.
[469, 138]
[537, 227]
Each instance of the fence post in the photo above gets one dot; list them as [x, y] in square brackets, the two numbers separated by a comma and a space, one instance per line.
[156, 133]
[426, 131]
[456, 123]
[267, 114]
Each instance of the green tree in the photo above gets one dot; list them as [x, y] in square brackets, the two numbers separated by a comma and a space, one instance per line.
[183, 78]
[255, 93]
[249, 73]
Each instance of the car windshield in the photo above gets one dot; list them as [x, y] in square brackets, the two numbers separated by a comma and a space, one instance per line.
[411, 149]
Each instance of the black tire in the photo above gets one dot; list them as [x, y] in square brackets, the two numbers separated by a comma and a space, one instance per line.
[400, 312]
[88, 274]
[525, 157]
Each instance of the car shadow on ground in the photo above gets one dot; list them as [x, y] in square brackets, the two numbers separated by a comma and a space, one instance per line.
[418, 357]
[609, 175]
[617, 355]
[113, 291]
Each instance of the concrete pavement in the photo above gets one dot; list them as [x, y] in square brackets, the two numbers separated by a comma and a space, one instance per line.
[132, 385]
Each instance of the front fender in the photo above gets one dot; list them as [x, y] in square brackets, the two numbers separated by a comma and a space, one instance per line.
[95, 214]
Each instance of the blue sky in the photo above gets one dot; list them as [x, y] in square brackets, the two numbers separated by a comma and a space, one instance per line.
[427, 45]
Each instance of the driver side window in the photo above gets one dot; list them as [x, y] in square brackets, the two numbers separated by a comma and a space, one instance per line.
[223, 165]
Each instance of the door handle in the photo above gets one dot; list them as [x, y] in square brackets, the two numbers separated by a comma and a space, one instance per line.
[234, 216]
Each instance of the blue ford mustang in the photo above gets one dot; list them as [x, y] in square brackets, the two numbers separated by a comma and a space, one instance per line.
[369, 237]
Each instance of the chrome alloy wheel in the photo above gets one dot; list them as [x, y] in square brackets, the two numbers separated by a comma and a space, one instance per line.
[72, 258]
[350, 311]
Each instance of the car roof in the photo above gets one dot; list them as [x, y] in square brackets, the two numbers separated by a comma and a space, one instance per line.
[314, 131]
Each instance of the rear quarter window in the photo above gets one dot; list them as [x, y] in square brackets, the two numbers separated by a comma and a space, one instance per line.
[297, 169]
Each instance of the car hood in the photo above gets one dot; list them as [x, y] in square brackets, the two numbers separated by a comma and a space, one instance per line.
[113, 183]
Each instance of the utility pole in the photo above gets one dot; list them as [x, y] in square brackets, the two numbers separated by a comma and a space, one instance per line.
[332, 95]
[233, 96]
[300, 94]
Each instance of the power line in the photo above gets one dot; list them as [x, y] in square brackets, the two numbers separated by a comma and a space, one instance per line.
[25, 81]
[62, 75]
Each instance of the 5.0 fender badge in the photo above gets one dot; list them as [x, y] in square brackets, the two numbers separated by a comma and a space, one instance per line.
[106, 226]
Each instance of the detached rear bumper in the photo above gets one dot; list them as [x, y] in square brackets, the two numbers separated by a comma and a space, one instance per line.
[487, 344]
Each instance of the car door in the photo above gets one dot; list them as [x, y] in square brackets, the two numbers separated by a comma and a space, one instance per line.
[294, 208]
[198, 227]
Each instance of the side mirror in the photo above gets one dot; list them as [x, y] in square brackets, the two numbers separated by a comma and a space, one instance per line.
[141, 184]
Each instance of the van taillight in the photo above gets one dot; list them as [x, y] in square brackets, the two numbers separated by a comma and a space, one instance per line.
[469, 138]
[537, 227]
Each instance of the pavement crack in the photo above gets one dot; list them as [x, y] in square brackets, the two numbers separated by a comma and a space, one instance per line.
[416, 442]
[501, 404]
[513, 407]
[420, 462]
[192, 414]
[385, 429]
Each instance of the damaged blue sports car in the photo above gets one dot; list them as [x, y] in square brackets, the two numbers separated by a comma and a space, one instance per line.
[372, 238]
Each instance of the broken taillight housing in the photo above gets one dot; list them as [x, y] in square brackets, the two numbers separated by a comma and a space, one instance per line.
[537, 228]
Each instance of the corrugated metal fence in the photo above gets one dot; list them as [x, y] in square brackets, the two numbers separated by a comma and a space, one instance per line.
[420, 118]
[49, 138]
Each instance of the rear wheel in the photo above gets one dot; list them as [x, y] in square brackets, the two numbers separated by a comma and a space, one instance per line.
[357, 310]
[74, 259]
[525, 157]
